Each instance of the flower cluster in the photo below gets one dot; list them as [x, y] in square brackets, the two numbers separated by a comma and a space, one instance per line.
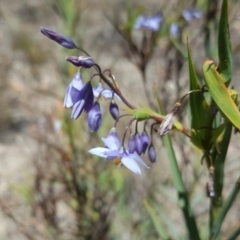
[85, 97]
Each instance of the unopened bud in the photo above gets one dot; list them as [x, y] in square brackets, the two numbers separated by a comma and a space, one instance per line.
[82, 61]
[114, 110]
[152, 154]
[63, 41]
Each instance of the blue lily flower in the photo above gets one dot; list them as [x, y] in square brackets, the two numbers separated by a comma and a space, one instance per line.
[84, 100]
[73, 89]
[151, 23]
[191, 14]
[113, 151]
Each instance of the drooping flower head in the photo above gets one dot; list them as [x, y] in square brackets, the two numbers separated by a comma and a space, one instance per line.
[84, 100]
[71, 96]
[113, 150]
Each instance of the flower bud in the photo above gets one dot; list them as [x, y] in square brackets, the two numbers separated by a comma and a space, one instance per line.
[63, 41]
[151, 154]
[132, 144]
[145, 141]
[139, 145]
[82, 61]
[94, 117]
[114, 110]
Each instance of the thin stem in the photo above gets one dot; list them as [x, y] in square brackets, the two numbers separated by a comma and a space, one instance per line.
[125, 132]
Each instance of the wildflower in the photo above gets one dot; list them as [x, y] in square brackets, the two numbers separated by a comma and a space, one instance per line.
[106, 93]
[145, 141]
[63, 41]
[73, 90]
[83, 100]
[113, 150]
[114, 110]
[151, 23]
[94, 117]
[151, 154]
[191, 14]
[81, 61]
[174, 29]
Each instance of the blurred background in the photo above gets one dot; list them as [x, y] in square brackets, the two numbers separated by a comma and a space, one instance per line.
[50, 186]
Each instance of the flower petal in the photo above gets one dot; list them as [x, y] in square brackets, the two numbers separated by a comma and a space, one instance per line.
[131, 164]
[99, 151]
[77, 109]
[138, 159]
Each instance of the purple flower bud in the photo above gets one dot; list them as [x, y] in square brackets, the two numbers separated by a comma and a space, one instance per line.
[139, 145]
[151, 154]
[63, 41]
[132, 144]
[82, 61]
[114, 110]
[145, 141]
[94, 117]
[174, 29]
[84, 101]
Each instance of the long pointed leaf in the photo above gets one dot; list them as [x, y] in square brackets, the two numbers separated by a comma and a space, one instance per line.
[220, 93]
[224, 45]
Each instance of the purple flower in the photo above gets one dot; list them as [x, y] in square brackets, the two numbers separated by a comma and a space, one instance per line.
[106, 93]
[191, 14]
[151, 154]
[63, 41]
[114, 110]
[174, 29]
[113, 150]
[151, 23]
[94, 117]
[72, 92]
[84, 100]
[82, 61]
[145, 141]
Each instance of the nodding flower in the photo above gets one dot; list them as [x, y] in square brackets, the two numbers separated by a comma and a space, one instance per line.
[81, 61]
[113, 151]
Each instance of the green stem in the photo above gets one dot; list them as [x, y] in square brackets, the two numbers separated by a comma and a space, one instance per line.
[182, 193]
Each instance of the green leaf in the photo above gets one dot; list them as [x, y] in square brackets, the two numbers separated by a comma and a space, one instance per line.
[198, 109]
[220, 93]
[224, 46]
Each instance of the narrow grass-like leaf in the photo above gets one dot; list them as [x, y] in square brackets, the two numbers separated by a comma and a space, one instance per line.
[220, 93]
[234, 235]
[219, 160]
[159, 228]
[227, 205]
[224, 45]
[198, 109]
[179, 185]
